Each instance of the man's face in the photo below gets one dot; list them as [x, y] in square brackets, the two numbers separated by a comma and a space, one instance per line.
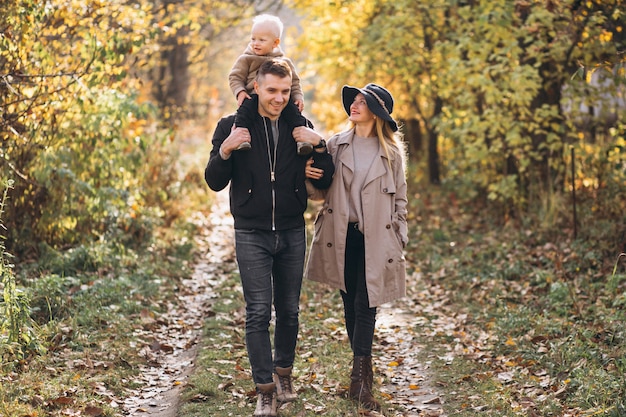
[273, 94]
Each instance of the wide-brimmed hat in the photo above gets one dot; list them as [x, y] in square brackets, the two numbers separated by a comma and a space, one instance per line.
[379, 101]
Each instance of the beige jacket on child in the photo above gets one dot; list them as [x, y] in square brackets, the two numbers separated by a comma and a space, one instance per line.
[243, 72]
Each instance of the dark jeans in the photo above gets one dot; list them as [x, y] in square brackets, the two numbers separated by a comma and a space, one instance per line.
[271, 264]
[360, 318]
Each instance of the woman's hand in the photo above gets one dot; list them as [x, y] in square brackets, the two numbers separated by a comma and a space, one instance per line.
[311, 172]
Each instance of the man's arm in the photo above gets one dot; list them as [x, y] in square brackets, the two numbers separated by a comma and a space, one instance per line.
[324, 161]
[218, 171]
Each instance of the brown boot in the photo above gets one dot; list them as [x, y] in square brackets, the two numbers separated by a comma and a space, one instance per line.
[284, 385]
[362, 379]
[266, 400]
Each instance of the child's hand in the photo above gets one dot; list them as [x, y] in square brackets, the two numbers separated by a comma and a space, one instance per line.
[241, 96]
[299, 104]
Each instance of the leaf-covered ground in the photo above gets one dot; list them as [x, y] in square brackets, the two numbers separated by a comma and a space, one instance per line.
[403, 377]
[488, 327]
[496, 322]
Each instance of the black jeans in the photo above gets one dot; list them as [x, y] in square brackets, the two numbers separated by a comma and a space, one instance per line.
[271, 266]
[360, 318]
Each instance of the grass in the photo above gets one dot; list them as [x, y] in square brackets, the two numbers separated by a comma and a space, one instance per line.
[90, 322]
[538, 324]
[222, 384]
[544, 334]
[89, 303]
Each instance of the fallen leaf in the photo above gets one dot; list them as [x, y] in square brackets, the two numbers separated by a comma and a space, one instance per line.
[94, 411]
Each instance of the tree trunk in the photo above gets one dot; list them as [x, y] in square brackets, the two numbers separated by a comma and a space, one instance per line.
[414, 138]
[172, 80]
[433, 141]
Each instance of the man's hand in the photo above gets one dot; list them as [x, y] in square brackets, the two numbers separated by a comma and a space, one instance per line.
[305, 134]
[237, 136]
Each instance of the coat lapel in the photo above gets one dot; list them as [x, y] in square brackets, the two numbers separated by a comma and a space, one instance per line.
[378, 167]
[345, 156]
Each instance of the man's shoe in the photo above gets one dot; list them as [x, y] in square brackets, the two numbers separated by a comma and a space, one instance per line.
[284, 385]
[304, 148]
[266, 400]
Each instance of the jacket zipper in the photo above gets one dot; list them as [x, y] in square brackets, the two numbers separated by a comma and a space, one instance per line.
[272, 164]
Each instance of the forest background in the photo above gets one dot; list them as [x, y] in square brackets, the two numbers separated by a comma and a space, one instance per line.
[513, 116]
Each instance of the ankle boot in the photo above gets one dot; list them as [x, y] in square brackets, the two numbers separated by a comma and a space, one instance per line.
[266, 400]
[362, 379]
[284, 385]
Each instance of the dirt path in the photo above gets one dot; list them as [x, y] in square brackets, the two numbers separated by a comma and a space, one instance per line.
[174, 344]
[172, 354]
[408, 382]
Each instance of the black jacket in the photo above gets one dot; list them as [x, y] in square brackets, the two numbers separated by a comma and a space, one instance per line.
[257, 202]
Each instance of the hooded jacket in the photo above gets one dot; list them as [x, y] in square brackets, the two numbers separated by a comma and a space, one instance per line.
[384, 198]
[257, 201]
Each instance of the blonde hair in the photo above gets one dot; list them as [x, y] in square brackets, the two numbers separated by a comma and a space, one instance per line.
[392, 142]
[273, 21]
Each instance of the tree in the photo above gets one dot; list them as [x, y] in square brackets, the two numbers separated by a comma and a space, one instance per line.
[186, 46]
[80, 134]
[484, 79]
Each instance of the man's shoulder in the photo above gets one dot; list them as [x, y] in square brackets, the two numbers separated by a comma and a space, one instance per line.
[226, 122]
[229, 118]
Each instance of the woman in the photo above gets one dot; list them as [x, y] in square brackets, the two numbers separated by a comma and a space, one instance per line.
[361, 229]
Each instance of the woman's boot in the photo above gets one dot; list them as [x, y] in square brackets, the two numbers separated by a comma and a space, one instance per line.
[361, 382]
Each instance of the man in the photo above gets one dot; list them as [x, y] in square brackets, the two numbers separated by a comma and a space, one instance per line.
[268, 198]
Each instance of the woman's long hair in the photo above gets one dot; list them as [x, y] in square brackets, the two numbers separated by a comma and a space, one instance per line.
[391, 142]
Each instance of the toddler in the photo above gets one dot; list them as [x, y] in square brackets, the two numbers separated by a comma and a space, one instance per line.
[264, 44]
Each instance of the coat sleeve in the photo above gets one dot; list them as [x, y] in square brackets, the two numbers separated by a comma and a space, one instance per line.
[324, 161]
[314, 193]
[238, 76]
[296, 87]
[401, 200]
[218, 171]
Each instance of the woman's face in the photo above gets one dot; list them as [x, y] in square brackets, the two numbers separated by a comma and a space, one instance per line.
[359, 112]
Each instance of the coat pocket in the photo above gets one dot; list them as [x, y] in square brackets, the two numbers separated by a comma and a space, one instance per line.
[399, 229]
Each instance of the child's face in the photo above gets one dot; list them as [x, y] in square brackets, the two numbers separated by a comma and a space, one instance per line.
[263, 41]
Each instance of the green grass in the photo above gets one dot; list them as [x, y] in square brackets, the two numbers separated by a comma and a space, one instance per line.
[538, 323]
[88, 303]
[222, 384]
[544, 334]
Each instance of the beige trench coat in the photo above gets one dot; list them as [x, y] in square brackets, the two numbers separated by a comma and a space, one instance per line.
[384, 198]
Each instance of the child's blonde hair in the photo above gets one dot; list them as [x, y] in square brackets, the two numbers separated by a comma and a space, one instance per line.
[273, 21]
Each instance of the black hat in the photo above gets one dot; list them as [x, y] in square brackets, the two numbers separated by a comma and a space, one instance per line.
[378, 99]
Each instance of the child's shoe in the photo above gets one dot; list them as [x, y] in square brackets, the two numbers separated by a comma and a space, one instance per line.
[244, 146]
[304, 148]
